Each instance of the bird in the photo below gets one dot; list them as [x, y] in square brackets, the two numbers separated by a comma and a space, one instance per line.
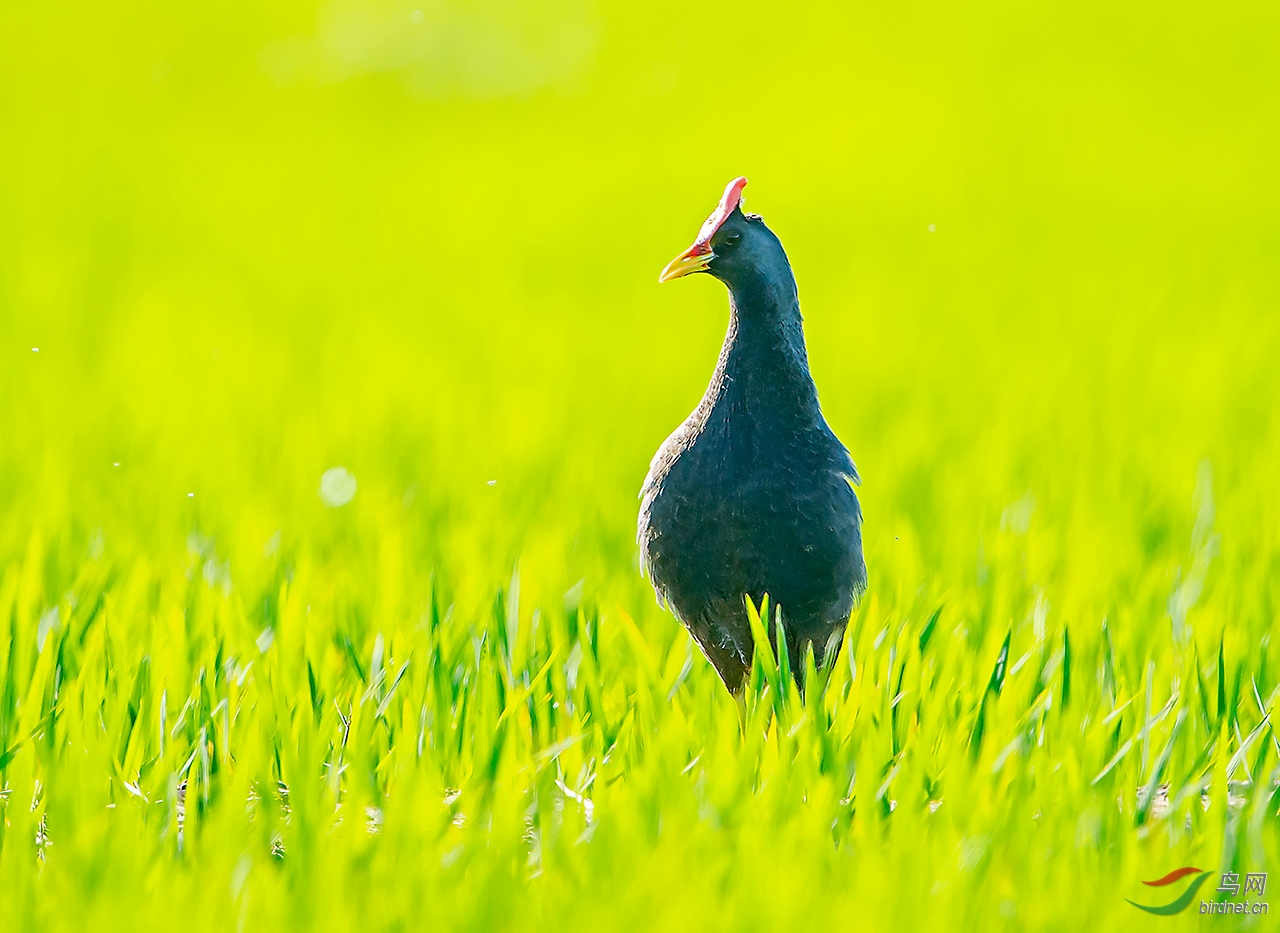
[753, 494]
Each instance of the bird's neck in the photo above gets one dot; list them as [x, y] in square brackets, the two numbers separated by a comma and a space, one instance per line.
[764, 368]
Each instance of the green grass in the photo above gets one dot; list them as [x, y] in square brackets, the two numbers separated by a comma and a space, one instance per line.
[254, 244]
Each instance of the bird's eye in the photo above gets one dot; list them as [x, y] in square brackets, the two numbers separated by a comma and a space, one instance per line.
[731, 238]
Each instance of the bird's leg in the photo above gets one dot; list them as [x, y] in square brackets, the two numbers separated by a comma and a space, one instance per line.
[740, 701]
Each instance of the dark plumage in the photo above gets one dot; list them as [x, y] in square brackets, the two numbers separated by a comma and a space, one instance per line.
[753, 493]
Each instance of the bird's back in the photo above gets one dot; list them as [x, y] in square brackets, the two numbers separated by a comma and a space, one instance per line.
[739, 505]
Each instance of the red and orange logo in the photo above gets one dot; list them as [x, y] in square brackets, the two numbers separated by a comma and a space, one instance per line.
[1183, 900]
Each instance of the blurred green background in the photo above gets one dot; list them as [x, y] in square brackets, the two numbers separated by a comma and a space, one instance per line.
[241, 244]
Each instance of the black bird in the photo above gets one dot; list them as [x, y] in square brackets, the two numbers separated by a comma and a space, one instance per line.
[753, 494]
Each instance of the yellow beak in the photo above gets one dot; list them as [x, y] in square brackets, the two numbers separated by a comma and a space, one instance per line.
[695, 259]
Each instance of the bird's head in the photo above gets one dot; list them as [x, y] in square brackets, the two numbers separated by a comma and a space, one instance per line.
[733, 246]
